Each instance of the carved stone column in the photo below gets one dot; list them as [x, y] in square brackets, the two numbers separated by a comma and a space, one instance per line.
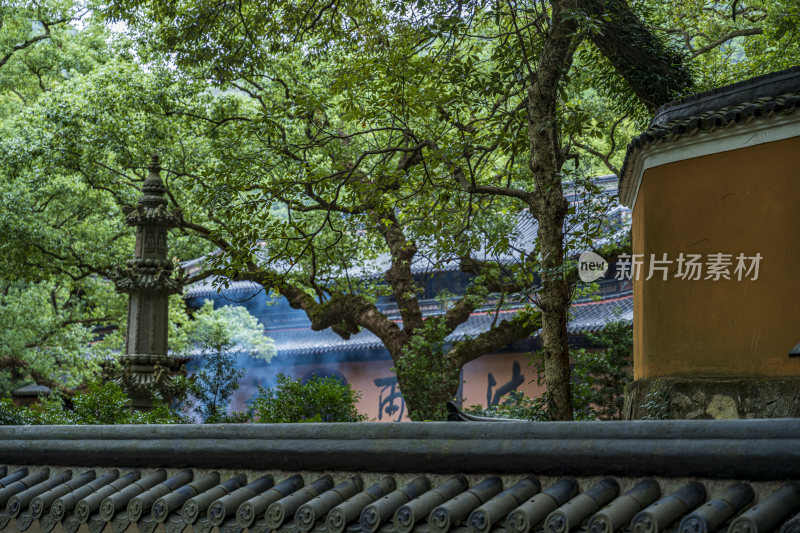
[148, 281]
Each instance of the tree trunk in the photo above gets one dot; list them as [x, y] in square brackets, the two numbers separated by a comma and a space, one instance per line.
[548, 204]
[556, 347]
[654, 72]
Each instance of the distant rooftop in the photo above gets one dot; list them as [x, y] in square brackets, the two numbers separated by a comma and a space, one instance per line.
[755, 89]
[31, 391]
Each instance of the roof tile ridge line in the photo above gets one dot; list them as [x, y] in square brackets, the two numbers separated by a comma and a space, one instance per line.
[307, 352]
[639, 144]
[483, 313]
[759, 102]
[499, 312]
[291, 329]
[608, 300]
[729, 87]
[721, 112]
[743, 429]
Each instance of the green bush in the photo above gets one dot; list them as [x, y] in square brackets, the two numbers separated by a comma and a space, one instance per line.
[318, 400]
[603, 375]
[11, 415]
[516, 405]
[101, 404]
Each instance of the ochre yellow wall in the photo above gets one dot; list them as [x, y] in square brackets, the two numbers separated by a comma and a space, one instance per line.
[742, 201]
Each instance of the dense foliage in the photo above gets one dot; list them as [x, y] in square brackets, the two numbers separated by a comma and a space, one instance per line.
[61, 235]
[605, 373]
[320, 399]
[100, 404]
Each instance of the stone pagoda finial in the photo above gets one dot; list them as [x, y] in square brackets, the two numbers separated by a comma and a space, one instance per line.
[148, 281]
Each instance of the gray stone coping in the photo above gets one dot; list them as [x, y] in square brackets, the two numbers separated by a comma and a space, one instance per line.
[724, 449]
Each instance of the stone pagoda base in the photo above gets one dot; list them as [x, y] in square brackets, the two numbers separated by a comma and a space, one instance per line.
[707, 398]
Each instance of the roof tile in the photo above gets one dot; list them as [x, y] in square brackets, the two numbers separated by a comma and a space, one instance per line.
[585, 317]
[326, 507]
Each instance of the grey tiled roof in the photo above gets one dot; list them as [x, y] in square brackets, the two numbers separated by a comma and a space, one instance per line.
[39, 499]
[593, 316]
[763, 97]
[31, 390]
[585, 317]
[207, 287]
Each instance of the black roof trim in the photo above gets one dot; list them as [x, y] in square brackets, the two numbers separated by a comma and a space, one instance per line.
[768, 85]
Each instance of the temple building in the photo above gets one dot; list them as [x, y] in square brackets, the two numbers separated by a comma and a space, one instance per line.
[363, 362]
[714, 185]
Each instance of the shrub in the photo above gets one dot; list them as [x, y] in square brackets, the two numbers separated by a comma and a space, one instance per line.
[515, 405]
[101, 404]
[604, 374]
[318, 400]
[11, 415]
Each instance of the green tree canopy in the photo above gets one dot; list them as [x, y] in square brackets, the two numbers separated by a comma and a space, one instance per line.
[305, 141]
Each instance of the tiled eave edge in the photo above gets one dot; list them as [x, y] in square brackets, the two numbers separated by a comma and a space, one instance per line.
[721, 131]
[744, 449]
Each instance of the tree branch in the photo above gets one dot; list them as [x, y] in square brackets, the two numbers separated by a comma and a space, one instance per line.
[519, 327]
[399, 276]
[32, 40]
[605, 158]
[474, 188]
[495, 280]
[458, 314]
[725, 38]
[17, 363]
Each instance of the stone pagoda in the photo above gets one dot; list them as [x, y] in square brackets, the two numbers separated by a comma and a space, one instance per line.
[148, 280]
